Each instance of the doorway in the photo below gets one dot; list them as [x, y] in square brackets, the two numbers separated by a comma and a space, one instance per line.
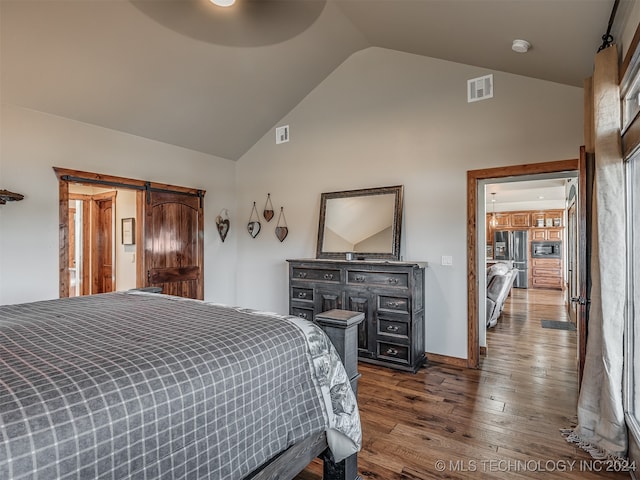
[98, 263]
[476, 237]
[164, 247]
[528, 243]
[572, 256]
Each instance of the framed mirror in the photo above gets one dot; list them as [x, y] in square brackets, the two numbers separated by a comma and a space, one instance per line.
[364, 222]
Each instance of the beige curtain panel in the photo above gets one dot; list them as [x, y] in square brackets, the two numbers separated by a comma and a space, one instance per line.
[601, 427]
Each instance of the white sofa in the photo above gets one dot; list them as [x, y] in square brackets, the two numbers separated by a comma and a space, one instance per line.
[500, 278]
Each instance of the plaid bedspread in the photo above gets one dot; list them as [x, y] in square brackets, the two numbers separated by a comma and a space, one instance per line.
[141, 386]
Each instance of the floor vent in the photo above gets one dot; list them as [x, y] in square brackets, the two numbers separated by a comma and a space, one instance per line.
[480, 88]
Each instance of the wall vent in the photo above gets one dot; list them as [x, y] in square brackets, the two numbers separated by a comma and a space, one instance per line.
[480, 88]
[282, 134]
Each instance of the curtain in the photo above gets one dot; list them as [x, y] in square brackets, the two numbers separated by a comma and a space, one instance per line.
[601, 427]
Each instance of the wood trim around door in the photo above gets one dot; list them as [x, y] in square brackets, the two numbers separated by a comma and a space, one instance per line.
[86, 238]
[473, 177]
[63, 214]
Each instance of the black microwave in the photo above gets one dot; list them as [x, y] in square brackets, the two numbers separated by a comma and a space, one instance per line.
[546, 249]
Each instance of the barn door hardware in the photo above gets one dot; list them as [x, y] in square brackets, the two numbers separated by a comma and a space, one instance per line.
[7, 196]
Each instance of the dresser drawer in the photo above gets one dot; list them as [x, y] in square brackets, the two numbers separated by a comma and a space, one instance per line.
[396, 304]
[303, 294]
[391, 351]
[391, 279]
[328, 275]
[302, 312]
[393, 328]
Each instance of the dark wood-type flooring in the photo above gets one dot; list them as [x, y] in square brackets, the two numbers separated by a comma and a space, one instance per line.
[499, 422]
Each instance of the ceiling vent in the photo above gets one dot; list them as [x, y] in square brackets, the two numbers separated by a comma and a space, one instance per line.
[480, 88]
[282, 134]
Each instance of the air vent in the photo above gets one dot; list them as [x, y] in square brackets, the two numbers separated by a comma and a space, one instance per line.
[282, 134]
[480, 88]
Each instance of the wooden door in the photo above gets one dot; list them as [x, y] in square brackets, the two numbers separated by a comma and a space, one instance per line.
[173, 243]
[585, 210]
[73, 272]
[102, 233]
[572, 261]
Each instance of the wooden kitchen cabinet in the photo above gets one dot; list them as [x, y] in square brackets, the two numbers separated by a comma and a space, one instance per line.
[546, 234]
[503, 220]
[520, 220]
[546, 273]
[538, 234]
[547, 219]
[554, 234]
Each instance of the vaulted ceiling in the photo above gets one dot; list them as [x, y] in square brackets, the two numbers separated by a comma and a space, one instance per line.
[216, 80]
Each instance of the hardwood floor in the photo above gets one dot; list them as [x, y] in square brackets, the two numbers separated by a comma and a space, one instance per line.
[501, 421]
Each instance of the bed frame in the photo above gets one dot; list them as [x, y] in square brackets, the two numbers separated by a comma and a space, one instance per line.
[341, 328]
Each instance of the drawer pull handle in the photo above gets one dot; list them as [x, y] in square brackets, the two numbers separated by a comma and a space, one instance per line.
[393, 280]
[328, 276]
[302, 274]
[391, 352]
[302, 295]
[392, 328]
[303, 315]
[360, 278]
[393, 304]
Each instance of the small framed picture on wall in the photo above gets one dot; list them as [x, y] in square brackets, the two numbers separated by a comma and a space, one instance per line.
[128, 231]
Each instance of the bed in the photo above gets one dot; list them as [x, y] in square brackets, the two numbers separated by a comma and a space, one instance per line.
[139, 385]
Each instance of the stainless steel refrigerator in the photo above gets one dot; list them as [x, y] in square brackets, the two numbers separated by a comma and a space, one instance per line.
[512, 245]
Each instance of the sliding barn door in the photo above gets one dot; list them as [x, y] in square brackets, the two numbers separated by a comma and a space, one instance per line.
[174, 244]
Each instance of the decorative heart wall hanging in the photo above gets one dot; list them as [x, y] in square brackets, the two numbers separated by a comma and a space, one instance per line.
[222, 222]
[282, 230]
[253, 227]
[268, 209]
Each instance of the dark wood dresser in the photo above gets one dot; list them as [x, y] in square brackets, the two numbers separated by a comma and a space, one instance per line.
[389, 293]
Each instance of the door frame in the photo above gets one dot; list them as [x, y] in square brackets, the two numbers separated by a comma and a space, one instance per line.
[86, 239]
[573, 252]
[473, 179]
[96, 268]
[66, 176]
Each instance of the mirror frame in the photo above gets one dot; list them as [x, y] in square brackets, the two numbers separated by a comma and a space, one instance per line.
[397, 190]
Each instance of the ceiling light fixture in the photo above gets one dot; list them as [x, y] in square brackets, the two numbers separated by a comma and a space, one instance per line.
[520, 46]
[223, 3]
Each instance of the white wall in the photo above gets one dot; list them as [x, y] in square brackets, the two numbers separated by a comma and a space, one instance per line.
[387, 118]
[627, 20]
[125, 254]
[31, 143]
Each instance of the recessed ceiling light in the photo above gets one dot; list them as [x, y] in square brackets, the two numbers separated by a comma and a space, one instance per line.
[541, 197]
[223, 3]
[520, 46]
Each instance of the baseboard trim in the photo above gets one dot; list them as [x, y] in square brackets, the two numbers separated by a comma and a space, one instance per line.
[447, 360]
